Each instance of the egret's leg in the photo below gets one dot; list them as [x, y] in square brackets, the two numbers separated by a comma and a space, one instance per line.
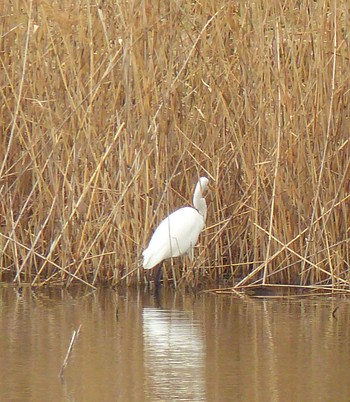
[191, 255]
[157, 275]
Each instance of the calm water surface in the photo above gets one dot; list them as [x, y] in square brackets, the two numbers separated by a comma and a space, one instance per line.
[134, 346]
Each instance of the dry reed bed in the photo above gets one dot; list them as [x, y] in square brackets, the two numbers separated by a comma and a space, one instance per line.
[109, 115]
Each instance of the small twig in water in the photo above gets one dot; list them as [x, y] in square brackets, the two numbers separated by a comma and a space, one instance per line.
[69, 351]
[334, 311]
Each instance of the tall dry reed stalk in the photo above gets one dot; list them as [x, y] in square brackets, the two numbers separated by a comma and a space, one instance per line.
[110, 113]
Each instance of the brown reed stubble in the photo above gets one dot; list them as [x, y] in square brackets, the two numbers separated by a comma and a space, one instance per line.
[121, 108]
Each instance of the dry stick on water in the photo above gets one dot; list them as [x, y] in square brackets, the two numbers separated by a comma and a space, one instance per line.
[69, 351]
[334, 311]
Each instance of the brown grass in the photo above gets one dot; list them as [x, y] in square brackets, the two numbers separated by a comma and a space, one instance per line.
[109, 114]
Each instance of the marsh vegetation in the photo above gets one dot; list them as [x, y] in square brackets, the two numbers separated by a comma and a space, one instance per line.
[110, 113]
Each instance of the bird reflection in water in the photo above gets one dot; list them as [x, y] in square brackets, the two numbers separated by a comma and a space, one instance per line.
[174, 355]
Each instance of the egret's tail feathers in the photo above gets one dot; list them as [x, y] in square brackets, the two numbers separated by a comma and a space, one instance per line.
[148, 262]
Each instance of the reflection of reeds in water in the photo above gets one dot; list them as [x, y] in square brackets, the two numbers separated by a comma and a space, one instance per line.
[110, 114]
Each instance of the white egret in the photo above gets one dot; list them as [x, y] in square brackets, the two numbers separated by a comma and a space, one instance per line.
[177, 234]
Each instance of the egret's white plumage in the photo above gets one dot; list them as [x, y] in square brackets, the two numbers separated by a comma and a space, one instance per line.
[178, 233]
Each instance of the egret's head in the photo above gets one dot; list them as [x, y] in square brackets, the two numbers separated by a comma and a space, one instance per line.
[204, 185]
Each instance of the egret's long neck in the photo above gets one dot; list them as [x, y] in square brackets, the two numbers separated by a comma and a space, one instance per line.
[199, 201]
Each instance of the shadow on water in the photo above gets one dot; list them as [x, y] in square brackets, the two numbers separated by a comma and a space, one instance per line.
[136, 346]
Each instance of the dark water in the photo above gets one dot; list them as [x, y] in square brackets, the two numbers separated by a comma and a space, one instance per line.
[135, 347]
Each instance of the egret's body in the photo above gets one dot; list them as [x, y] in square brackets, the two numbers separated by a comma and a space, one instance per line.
[178, 233]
